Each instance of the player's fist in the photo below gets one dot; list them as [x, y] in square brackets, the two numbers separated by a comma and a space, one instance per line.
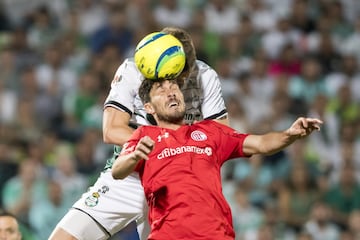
[143, 148]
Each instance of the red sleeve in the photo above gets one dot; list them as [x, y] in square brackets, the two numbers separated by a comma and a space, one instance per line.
[130, 145]
[230, 143]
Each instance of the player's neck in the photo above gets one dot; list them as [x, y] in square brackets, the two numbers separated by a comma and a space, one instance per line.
[173, 126]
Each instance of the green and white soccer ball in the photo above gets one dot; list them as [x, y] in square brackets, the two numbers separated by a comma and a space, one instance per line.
[160, 56]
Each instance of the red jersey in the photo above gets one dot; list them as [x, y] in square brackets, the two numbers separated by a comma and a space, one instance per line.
[182, 181]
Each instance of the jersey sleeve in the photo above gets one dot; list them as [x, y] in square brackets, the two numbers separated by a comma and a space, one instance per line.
[230, 143]
[124, 86]
[213, 106]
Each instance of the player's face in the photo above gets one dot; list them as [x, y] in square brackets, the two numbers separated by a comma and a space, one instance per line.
[9, 229]
[167, 101]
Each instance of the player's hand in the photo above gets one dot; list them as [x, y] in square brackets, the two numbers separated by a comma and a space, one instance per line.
[143, 149]
[303, 127]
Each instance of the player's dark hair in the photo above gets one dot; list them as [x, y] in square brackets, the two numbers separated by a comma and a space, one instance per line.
[4, 213]
[185, 38]
[144, 90]
[146, 85]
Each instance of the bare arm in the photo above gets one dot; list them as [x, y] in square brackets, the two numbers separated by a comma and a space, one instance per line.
[275, 141]
[125, 164]
[116, 128]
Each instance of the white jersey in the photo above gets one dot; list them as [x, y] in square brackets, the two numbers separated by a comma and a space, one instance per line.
[202, 93]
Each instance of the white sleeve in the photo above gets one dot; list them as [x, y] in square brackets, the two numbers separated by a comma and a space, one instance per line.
[213, 105]
[124, 87]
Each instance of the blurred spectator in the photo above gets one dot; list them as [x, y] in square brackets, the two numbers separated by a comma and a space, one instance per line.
[251, 39]
[53, 73]
[255, 176]
[340, 27]
[116, 31]
[19, 11]
[247, 218]
[221, 17]
[23, 189]
[72, 183]
[297, 197]
[8, 167]
[283, 34]
[90, 16]
[76, 103]
[92, 117]
[354, 223]
[319, 225]
[344, 196]
[8, 102]
[327, 53]
[43, 29]
[304, 236]
[46, 212]
[273, 221]
[9, 227]
[262, 85]
[169, 13]
[310, 83]
[350, 44]
[288, 63]
[349, 152]
[262, 18]
[244, 89]
[300, 17]
[326, 143]
[4, 21]
[85, 156]
[344, 106]
[347, 74]
[237, 117]
[8, 69]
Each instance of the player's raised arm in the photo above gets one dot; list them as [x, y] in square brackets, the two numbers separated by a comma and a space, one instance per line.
[127, 161]
[275, 141]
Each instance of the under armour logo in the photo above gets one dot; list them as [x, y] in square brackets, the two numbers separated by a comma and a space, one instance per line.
[165, 135]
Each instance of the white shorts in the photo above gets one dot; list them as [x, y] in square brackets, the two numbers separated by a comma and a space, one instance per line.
[113, 204]
[83, 221]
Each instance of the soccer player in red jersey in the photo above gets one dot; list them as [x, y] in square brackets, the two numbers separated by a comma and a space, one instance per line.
[179, 164]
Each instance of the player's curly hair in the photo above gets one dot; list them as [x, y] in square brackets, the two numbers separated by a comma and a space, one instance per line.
[185, 38]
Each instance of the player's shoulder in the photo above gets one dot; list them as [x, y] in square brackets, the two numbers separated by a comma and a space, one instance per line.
[209, 125]
[128, 66]
[202, 66]
[148, 129]
[205, 72]
[127, 72]
[212, 127]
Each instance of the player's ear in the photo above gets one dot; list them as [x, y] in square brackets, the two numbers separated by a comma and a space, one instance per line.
[149, 108]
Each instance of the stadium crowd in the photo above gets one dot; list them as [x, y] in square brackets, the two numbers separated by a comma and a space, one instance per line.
[276, 59]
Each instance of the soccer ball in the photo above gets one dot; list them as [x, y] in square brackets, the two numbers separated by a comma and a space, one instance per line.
[160, 56]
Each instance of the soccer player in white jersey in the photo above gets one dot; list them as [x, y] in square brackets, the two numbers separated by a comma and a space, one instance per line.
[110, 205]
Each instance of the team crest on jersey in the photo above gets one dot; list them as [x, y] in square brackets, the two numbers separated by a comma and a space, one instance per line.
[198, 136]
[116, 79]
[92, 200]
